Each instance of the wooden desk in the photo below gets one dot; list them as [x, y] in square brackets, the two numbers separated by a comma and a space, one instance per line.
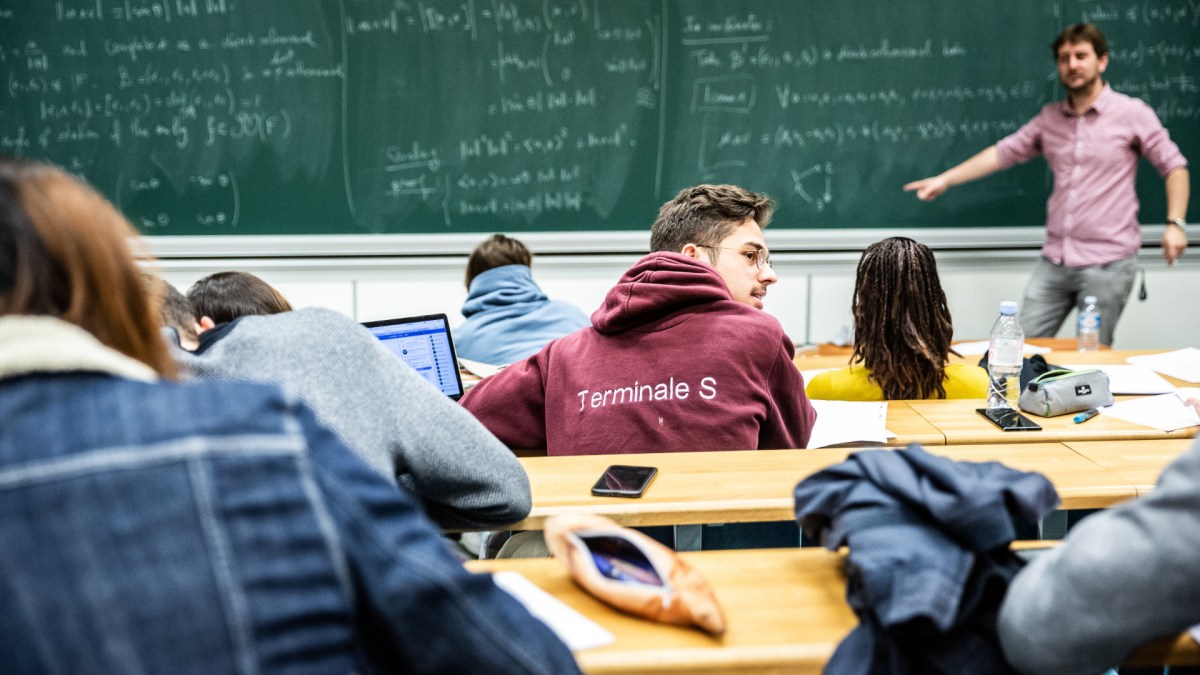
[909, 426]
[1179, 651]
[958, 421]
[785, 610]
[960, 424]
[757, 486]
[1080, 482]
[822, 359]
[1139, 462]
[691, 488]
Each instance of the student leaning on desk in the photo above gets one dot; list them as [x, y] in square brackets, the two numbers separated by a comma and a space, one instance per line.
[902, 333]
[392, 417]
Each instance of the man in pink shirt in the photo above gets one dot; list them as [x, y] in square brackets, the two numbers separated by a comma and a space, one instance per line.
[1092, 141]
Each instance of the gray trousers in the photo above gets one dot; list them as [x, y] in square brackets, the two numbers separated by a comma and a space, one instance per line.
[1054, 290]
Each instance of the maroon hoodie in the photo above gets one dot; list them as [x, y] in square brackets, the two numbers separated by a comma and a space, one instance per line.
[671, 363]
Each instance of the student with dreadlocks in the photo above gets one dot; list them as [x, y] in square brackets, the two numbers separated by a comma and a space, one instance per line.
[902, 333]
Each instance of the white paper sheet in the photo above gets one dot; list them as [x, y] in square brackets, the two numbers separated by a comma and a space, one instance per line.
[1182, 364]
[573, 628]
[809, 374]
[1165, 411]
[849, 422]
[1125, 380]
[479, 368]
[980, 347]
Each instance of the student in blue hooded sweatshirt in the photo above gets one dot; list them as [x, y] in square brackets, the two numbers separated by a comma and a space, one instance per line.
[508, 316]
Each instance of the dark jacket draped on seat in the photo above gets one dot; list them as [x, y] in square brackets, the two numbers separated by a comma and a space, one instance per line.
[929, 555]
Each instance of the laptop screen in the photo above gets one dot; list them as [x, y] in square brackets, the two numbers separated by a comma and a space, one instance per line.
[424, 343]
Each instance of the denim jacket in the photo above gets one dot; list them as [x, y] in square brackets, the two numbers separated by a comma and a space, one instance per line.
[216, 527]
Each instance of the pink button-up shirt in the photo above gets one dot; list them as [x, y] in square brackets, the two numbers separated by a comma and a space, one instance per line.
[1092, 214]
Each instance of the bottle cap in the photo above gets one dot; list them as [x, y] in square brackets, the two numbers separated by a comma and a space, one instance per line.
[1089, 299]
[1008, 308]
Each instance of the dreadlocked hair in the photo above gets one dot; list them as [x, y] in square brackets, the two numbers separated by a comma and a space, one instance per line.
[902, 326]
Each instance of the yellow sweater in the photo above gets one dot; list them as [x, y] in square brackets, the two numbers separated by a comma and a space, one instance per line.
[851, 384]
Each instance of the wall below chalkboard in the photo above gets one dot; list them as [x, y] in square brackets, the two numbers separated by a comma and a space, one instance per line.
[811, 300]
[228, 118]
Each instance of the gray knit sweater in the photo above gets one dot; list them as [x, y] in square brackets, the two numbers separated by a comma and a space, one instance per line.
[1121, 578]
[395, 420]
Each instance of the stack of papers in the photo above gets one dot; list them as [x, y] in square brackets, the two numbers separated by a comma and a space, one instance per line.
[1130, 380]
[1181, 364]
[479, 368]
[849, 422]
[1167, 412]
[809, 374]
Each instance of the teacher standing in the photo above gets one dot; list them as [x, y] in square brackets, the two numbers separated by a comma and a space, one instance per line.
[1092, 140]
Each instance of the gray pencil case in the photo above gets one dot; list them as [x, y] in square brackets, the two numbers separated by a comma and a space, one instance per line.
[1060, 392]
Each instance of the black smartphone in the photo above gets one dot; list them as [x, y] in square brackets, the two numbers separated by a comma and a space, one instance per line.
[622, 480]
[1008, 419]
[620, 560]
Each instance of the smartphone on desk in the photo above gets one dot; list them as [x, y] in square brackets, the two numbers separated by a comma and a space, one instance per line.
[1008, 419]
[622, 480]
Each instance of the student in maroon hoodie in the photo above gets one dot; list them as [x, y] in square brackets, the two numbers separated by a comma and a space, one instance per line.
[681, 356]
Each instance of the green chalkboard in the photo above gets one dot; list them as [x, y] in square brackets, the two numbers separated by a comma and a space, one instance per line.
[292, 117]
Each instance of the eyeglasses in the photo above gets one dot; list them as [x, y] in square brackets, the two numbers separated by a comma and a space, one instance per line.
[758, 256]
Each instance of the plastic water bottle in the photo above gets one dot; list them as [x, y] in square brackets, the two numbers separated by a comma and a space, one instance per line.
[1005, 347]
[1088, 327]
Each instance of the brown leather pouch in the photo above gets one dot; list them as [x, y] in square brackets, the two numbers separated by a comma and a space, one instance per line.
[632, 572]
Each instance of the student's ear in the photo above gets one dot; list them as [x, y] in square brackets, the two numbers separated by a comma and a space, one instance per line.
[205, 323]
[691, 251]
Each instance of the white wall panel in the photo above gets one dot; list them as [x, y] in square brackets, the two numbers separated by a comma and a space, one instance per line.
[411, 295]
[336, 295]
[811, 300]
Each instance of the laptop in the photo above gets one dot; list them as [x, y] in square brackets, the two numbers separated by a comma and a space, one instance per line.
[424, 343]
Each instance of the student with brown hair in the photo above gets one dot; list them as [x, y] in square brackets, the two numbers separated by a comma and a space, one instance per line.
[65, 257]
[508, 315]
[225, 296]
[680, 357]
[1092, 141]
[203, 527]
[175, 312]
[902, 333]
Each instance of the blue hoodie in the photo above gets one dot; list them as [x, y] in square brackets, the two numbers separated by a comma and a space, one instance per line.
[509, 318]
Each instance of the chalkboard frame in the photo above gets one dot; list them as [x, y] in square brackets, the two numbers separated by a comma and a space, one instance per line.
[780, 240]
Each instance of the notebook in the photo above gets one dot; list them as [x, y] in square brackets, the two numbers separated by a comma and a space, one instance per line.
[424, 343]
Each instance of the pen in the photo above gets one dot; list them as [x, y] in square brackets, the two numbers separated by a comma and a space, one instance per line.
[1086, 415]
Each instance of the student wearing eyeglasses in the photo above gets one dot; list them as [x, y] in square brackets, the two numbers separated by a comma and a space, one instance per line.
[680, 357]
